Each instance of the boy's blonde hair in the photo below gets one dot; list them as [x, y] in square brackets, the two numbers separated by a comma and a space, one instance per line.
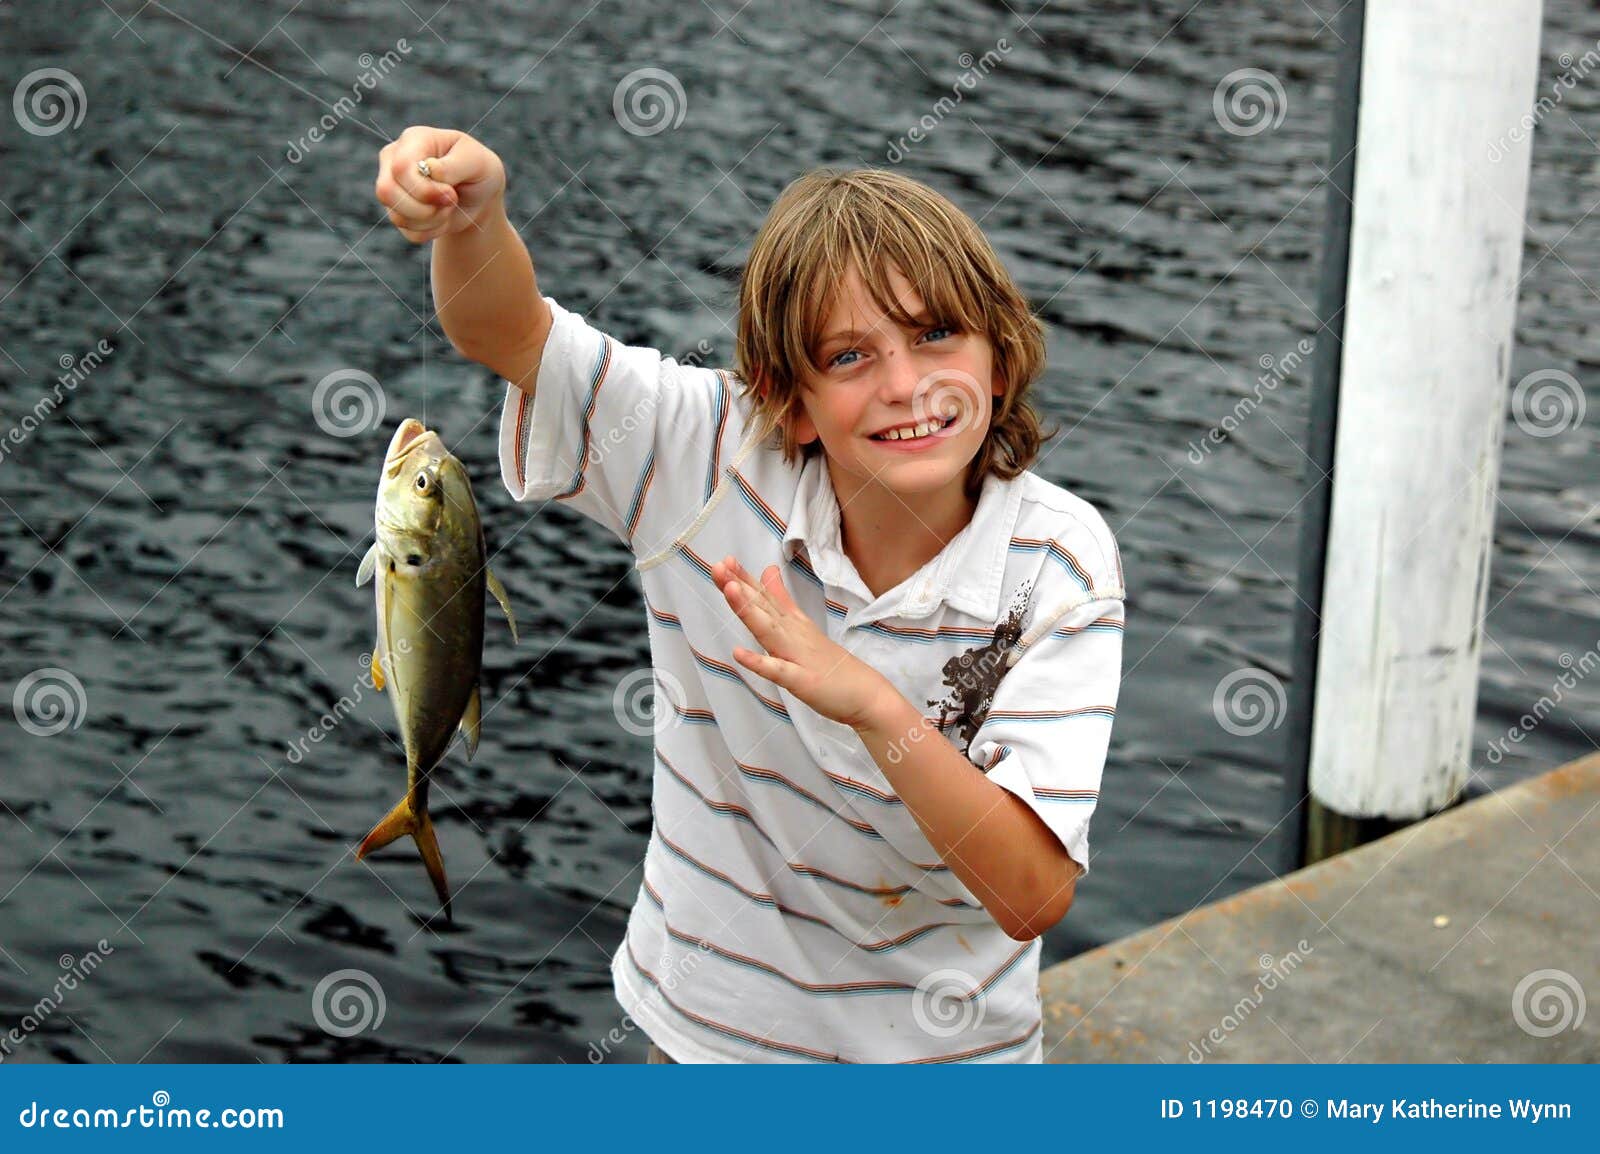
[829, 221]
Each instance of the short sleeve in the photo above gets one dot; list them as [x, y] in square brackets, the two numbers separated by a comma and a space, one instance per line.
[621, 433]
[1048, 727]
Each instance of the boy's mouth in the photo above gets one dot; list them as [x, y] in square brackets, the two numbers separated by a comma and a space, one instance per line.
[914, 432]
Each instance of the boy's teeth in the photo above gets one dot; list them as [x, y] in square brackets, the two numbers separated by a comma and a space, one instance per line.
[921, 430]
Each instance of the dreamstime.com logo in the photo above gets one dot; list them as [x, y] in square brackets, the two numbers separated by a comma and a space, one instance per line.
[1274, 972]
[347, 403]
[1542, 708]
[1548, 1002]
[348, 1002]
[640, 416]
[1249, 101]
[950, 395]
[1274, 371]
[373, 70]
[1548, 402]
[637, 701]
[47, 101]
[649, 100]
[974, 69]
[679, 970]
[75, 971]
[1248, 702]
[1574, 70]
[946, 1003]
[342, 708]
[49, 701]
[76, 371]
[161, 1114]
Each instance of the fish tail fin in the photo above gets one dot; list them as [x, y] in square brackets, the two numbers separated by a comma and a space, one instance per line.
[405, 819]
[401, 820]
[434, 861]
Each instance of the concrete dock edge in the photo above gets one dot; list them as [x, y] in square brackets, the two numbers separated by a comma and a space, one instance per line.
[1471, 936]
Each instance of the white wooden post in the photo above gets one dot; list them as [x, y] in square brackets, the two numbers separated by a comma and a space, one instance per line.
[1435, 242]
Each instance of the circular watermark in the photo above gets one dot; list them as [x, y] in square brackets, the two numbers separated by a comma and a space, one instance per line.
[637, 701]
[1547, 402]
[1248, 701]
[946, 1002]
[950, 395]
[347, 403]
[1548, 1002]
[649, 100]
[49, 701]
[348, 1002]
[49, 100]
[1248, 101]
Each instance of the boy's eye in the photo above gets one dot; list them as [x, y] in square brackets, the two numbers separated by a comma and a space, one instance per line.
[935, 333]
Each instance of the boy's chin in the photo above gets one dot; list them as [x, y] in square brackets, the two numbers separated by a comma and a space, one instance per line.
[919, 475]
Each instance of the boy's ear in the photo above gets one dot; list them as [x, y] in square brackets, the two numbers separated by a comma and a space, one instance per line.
[805, 429]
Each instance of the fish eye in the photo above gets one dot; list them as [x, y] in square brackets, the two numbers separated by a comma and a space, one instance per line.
[422, 482]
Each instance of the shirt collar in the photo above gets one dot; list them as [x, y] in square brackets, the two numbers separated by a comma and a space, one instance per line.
[966, 574]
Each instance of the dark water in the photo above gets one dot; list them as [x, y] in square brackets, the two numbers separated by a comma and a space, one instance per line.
[181, 536]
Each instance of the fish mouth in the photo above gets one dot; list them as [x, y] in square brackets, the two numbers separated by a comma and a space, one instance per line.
[411, 434]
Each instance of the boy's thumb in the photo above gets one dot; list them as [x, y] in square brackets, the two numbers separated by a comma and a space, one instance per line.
[436, 169]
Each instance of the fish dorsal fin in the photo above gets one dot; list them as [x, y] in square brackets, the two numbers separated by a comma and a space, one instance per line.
[499, 592]
[369, 564]
[470, 720]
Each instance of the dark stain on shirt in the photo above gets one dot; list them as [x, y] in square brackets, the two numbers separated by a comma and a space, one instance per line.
[974, 674]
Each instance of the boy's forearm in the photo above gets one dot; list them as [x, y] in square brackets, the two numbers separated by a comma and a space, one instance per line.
[988, 836]
[488, 300]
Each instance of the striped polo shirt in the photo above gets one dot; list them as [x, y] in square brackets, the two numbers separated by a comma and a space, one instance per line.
[790, 908]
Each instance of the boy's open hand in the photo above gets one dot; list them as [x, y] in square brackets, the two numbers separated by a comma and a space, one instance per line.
[800, 657]
[464, 182]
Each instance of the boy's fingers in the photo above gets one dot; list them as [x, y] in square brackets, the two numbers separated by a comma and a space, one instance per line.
[772, 668]
[772, 583]
[437, 179]
[419, 237]
[746, 580]
[457, 159]
[757, 615]
[747, 601]
[439, 169]
[412, 212]
[427, 190]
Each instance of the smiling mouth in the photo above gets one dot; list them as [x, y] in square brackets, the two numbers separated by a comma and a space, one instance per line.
[910, 433]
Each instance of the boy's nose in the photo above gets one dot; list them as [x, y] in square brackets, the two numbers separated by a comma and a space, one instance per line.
[900, 378]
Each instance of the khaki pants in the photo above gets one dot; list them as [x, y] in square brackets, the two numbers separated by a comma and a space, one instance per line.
[658, 1055]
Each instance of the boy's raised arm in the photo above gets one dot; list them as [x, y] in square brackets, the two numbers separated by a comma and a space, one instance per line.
[484, 289]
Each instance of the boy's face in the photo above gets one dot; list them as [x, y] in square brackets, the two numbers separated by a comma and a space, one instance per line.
[877, 375]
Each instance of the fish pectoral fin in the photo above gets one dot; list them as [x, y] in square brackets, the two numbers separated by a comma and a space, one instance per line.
[405, 819]
[470, 720]
[369, 565]
[499, 592]
[378, 678]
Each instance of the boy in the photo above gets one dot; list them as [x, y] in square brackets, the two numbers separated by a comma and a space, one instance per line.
[889, 663]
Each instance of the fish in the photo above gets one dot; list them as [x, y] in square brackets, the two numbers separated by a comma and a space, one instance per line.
[431, 577]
